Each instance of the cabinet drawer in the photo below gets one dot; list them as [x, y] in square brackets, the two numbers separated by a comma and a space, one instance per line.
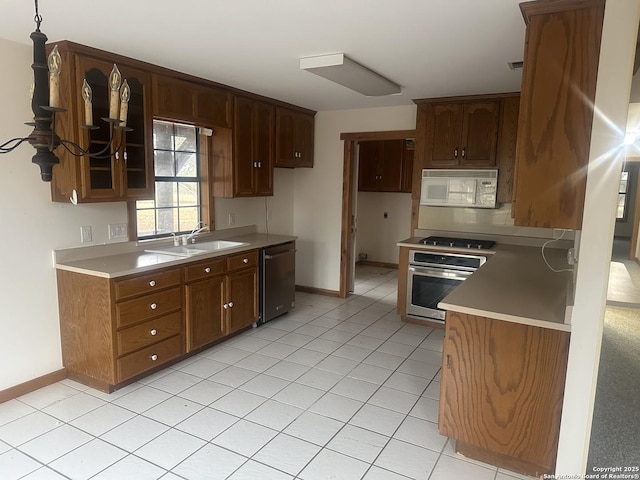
[149, 306]
[148, 333]
[149, 357]
[147, 283]
[212, 267]
[246, 259]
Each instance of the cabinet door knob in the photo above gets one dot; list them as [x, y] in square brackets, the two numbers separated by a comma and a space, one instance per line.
[154, 357]
[152, 283]
[226, 305]
[207, 270]
[125, 155]
[463, 152]
[455, 153]
[245, 260]
[259, 164]
[153, 332]
[255, 164]
[230, 304]
[153, 306]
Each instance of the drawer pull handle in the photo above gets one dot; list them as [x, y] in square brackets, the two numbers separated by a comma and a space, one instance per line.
[153, 306]
[154, 332]
[152, 283]
[245, 260]
[154, 357]
[226, 305]
[207, 270]
[230, 304]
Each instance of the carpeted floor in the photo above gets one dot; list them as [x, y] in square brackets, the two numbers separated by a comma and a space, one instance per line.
[615, 434]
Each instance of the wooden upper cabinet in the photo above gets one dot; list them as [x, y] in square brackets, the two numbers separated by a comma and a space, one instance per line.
[447, 131]
[369, 157]
[478, 131]
[407, 167]
[294, 138]
[381, 166]
[562, 48]
[182, 100]
[464, 134]
[479, 134]
[126, 172]
[253, 148]
[263, 144]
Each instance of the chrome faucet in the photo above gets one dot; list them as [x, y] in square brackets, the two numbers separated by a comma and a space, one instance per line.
[194, 233]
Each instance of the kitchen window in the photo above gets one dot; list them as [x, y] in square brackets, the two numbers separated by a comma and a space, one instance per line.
[176, 207]
[623, 197]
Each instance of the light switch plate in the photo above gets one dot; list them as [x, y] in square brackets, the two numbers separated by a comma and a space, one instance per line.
[117, 230]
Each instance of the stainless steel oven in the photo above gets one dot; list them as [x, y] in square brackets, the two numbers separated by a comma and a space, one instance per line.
[432, 276]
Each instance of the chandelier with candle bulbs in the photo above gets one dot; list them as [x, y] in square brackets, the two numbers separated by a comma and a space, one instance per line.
[45, 103]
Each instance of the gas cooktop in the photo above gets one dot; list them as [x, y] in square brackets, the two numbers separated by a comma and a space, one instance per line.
[458, 242]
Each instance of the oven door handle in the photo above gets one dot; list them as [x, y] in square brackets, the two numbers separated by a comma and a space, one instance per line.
[440, 273]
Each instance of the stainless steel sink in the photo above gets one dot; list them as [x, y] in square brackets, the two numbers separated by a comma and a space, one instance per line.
[196, 248]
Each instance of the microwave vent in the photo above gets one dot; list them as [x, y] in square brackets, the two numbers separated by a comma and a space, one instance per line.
[440, 173]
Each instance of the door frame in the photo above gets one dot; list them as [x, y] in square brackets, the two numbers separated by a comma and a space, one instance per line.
[636, 209]
[349, 179]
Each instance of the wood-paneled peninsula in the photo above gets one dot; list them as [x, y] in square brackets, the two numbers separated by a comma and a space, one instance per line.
[125, 312]
[504, 358]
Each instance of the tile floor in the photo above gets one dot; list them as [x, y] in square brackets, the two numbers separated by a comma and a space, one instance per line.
[336, 389]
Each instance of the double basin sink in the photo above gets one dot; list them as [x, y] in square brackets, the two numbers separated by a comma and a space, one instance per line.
[196, 248]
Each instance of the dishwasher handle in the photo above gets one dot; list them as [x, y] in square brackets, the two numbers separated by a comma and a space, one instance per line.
[271, 257]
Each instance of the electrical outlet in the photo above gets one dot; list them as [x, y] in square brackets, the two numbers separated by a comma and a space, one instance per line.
[232, 219]
[571, 256]
[85, 234]
[117, 230]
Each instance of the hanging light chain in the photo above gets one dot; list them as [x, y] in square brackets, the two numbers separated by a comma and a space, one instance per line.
[37, 18]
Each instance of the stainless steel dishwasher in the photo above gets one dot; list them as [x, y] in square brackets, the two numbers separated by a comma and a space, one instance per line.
[277, 280]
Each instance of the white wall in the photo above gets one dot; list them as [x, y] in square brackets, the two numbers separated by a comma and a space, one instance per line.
[31, 227]
[377, 236]
[269, 214]
[605, 163]
[317, 210]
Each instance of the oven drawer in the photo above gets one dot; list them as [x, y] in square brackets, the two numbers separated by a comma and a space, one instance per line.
[426, 287]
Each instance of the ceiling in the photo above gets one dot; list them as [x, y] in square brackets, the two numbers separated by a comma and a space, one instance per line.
[432, 48]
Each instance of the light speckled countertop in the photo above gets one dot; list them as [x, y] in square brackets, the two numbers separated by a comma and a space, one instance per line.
[513, 285]
[117, 260]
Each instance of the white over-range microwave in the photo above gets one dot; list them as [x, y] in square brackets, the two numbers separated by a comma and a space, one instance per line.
[459, 188]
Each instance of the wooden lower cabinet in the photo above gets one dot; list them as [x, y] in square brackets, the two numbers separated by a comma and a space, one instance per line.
[221, 297]
[242, 307]
[117, 330]
[205, 299]
[502, 390]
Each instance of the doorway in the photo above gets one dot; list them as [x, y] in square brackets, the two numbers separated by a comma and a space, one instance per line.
[349, 193]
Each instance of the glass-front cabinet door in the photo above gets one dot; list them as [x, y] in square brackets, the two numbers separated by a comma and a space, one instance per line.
[122, 170]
